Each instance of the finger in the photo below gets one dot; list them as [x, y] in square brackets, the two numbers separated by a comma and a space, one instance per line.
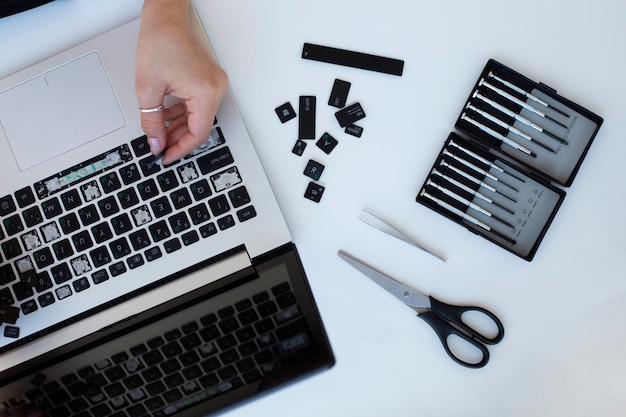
[153, 125]
[174, 111]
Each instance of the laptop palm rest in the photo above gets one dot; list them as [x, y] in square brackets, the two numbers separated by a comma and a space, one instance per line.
[75, 101]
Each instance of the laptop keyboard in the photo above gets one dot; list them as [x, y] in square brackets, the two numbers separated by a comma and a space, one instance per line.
[172, 369]
[108, 215]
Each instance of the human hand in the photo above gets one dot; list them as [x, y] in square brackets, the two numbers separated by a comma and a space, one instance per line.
[172, 61]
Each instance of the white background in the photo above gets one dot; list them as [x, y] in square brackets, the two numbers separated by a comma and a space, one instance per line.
[563, 353]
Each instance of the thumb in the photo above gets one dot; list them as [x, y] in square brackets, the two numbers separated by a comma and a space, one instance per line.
[153, 125]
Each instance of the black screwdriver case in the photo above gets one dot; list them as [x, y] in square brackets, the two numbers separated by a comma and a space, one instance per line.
[519, 142]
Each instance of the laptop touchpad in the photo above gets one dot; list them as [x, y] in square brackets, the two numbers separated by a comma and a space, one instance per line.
[59, 110]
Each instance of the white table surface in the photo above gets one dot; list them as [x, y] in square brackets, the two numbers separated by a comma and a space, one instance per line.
[563, 353]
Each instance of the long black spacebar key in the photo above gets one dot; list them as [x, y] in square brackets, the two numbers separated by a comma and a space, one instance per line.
[215, 160]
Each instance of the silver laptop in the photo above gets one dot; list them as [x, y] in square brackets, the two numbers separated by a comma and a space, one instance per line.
[128, 288]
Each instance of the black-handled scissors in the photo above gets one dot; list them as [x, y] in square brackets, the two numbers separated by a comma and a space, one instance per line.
[444, 318]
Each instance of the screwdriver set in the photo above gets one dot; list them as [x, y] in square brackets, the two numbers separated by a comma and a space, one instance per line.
[503, 178]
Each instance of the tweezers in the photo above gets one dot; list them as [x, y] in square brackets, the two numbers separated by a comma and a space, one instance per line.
[378, 223]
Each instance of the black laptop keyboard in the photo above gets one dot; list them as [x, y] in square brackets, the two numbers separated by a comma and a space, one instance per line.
[108, 215]
[175, 369]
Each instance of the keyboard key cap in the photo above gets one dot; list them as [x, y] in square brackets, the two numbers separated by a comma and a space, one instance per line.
[71, 199]
[108, 206]
[32, 216]
[61, 273]
[139, 239]
[122, 224]
[200, 189]
[7, 205]
[130, 174]
[215, 160]
[88, 215]
[167, 180]
[102, 232]
[128, 198]
[24, 197]
[226, 222]
[159, 231]
[82, 241]
[52, 208]
[100, 256]
[246, 214]
[179, 222]
[140, 146]
[13, 225]
[148, 189]
[119, 248]
[110, 182]
[69, 224]
[62, 249]
[161, 207]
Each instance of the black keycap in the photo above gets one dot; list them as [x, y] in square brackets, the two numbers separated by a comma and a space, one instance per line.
[161, 207]
[139, 239]
[181, 198]
[246, 214]
[62, 249]
[208, 230]
[101, 232]
[7, 205]
[117, 269]
[32, 216]
[226, 222]
[24, 197]
[119, 248]
[6, 274]
[153, 253]
[42, 282]
[82, 241]
[61, 273]
[22, 290]
[80, 284]
[179, 222]
[100, 257]
[200, 189]
[130, 174]
[108, 206]
[128, 198]
[69, 223]
[159, 231]
[88, 215]
[219, 205]
[199, 214]
[110, 182]
[239, 196]
[99, 277]
[46, 299]
[167, 180]
[135, 261]
[140, 146]
[172, 245]
[51, 208]
[13, 225]
[11, 248]
[71, 199]
[215, 160]
[148, 189]
[43, 257]
[121, 224]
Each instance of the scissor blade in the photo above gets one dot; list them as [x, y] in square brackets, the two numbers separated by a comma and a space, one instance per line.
[411, 297]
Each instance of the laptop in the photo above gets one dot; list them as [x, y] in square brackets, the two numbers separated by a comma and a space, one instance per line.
[129, 288]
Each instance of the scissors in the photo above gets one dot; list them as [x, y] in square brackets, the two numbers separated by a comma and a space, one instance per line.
[444, 318]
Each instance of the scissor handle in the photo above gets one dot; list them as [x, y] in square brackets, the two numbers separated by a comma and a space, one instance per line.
[447, 320]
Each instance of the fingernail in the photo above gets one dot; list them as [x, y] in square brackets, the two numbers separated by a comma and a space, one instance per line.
[155, 145]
